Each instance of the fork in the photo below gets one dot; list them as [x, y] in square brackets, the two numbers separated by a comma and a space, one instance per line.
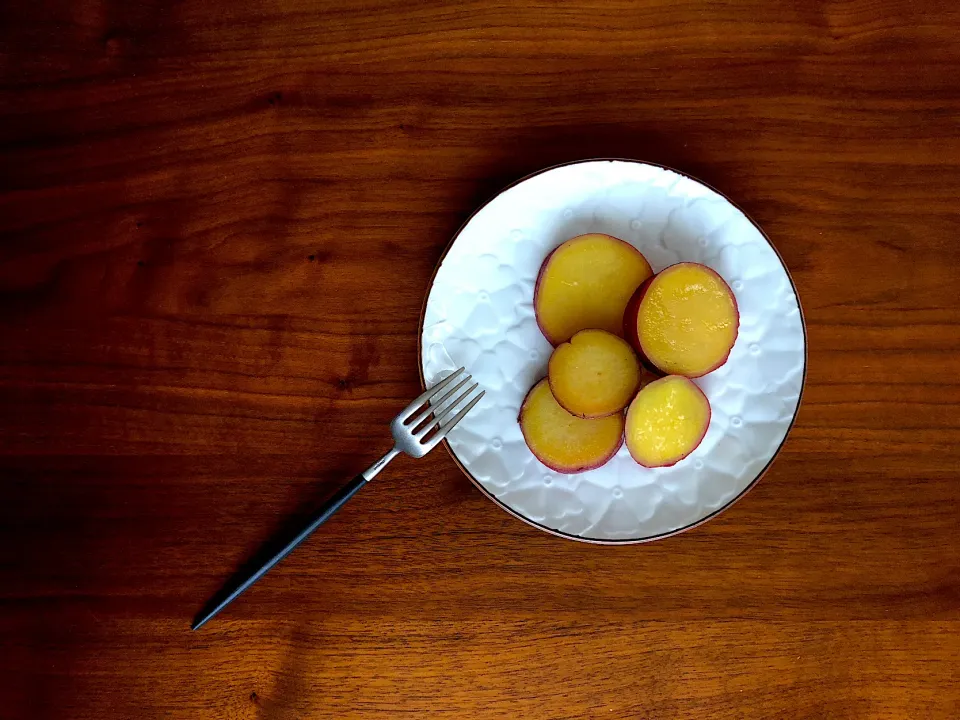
[416, 431]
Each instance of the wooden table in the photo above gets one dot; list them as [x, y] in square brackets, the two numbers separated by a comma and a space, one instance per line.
[218, 224]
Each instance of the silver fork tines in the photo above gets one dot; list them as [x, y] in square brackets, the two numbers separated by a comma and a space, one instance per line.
[433, 406]
[426, 421]
[427, 395]
[439, 414]
[422, 424]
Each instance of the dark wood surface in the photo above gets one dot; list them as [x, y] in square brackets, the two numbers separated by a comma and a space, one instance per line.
[219, 220]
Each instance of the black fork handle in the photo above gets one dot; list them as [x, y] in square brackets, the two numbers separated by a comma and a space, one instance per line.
[275, 551]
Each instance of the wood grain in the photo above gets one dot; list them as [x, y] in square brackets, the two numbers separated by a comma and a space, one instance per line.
[217, 224]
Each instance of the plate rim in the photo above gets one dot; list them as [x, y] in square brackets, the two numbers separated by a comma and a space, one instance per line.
[620, 541]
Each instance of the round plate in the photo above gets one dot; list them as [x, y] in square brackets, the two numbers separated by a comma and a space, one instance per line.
[479, 314]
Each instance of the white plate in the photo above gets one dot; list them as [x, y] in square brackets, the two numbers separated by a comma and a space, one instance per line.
[479, 314]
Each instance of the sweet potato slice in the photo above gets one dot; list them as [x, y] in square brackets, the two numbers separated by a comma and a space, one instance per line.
[683, 321]
[595, 374]
[586, 284]
[666, 421]
[564, 442]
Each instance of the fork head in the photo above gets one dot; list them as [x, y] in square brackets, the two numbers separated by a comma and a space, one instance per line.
[426, 421]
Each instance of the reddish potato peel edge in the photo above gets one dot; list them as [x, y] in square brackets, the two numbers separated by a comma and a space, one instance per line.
[630, 331]
[536, 293]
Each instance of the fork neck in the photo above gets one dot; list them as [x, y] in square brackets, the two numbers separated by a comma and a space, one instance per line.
[371, 472]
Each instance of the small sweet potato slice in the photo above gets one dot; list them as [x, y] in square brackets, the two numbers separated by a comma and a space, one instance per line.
[595, 374]
[564, 442]
[586, 283]
[666, 421]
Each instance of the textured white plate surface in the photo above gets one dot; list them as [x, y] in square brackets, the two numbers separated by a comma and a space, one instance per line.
[479, 314]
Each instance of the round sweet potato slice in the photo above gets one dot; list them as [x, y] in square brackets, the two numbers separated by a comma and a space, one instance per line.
[564, 442]
[595, 374]
[666, 421]
[586, 284]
